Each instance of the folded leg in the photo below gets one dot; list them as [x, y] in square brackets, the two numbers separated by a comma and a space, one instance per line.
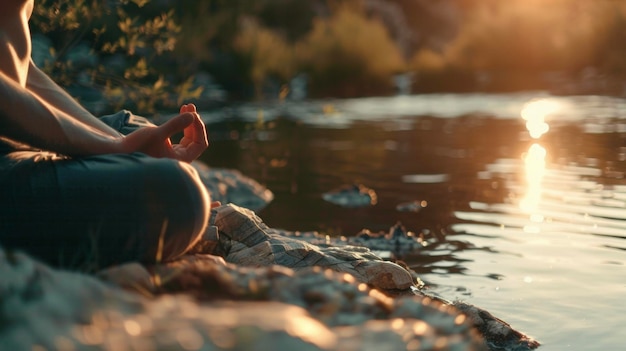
[100, 210]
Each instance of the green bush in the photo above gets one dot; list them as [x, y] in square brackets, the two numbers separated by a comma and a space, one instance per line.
[114, 32]
[349, 54]
[270, 56]
[344, 49]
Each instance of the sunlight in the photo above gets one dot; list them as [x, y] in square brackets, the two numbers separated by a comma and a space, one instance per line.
[535, 113]
[535, 165]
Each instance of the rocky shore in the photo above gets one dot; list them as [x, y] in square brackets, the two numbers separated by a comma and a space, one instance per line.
[245, 286]
[199, 303]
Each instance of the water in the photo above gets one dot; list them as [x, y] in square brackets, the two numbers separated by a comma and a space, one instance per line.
[525, 195]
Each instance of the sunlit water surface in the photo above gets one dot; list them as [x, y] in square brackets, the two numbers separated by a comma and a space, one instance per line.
[524, 194]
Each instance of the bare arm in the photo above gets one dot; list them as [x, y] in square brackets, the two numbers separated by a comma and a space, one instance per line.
[36, 111]
[55, 96]
[27, 118]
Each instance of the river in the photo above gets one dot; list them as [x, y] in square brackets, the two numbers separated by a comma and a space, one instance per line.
[523, 196]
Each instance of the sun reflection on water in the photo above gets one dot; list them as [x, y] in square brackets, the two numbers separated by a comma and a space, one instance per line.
[535, 166]
[535, 114]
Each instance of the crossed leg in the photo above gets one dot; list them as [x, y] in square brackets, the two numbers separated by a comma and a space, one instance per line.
[97, 211]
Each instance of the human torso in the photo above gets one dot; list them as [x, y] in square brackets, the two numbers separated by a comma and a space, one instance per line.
[15, 49]
[15, 44]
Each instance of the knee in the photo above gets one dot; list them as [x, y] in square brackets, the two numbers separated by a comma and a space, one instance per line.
[199, 200]
[183, 213]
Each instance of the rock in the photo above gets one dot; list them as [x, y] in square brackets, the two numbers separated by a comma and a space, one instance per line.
[244, 239]
[398, 240]
[40, 306]
[336, 299]
[211, 306]
[311, 308]
[411, 206]
[498, 334]
[356, 195]
[230, 186]
[131, 276]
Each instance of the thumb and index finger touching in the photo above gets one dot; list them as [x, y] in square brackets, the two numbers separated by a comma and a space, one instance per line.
[188, 117]
[194, 140]
[196, 132]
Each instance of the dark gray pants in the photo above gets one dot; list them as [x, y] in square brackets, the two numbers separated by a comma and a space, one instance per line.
[92, 212]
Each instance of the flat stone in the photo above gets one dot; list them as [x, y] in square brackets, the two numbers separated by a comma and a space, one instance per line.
[246, 240]
[355, 195]
[231, 186]
[397, 242]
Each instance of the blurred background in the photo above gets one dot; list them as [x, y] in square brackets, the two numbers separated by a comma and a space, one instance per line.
[270, 49]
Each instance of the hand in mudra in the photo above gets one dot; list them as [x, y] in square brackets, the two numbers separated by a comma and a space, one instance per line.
[155, 141]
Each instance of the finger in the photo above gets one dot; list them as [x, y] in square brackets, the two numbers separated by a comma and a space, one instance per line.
[199, 128]
[191, 152]
[176, 124]
[188, 108]
[195, 133]
[189, 149]
[215, 204]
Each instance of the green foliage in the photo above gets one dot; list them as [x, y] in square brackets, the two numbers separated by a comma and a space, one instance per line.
[219, 36]
[344, 46]
[349, 54]
[270, 55]
[113, 30]
[345, 54]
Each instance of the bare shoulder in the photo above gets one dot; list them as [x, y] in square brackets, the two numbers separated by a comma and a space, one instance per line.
[10, 8]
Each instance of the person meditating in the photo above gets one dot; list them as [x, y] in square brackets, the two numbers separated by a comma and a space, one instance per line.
[76, 189]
